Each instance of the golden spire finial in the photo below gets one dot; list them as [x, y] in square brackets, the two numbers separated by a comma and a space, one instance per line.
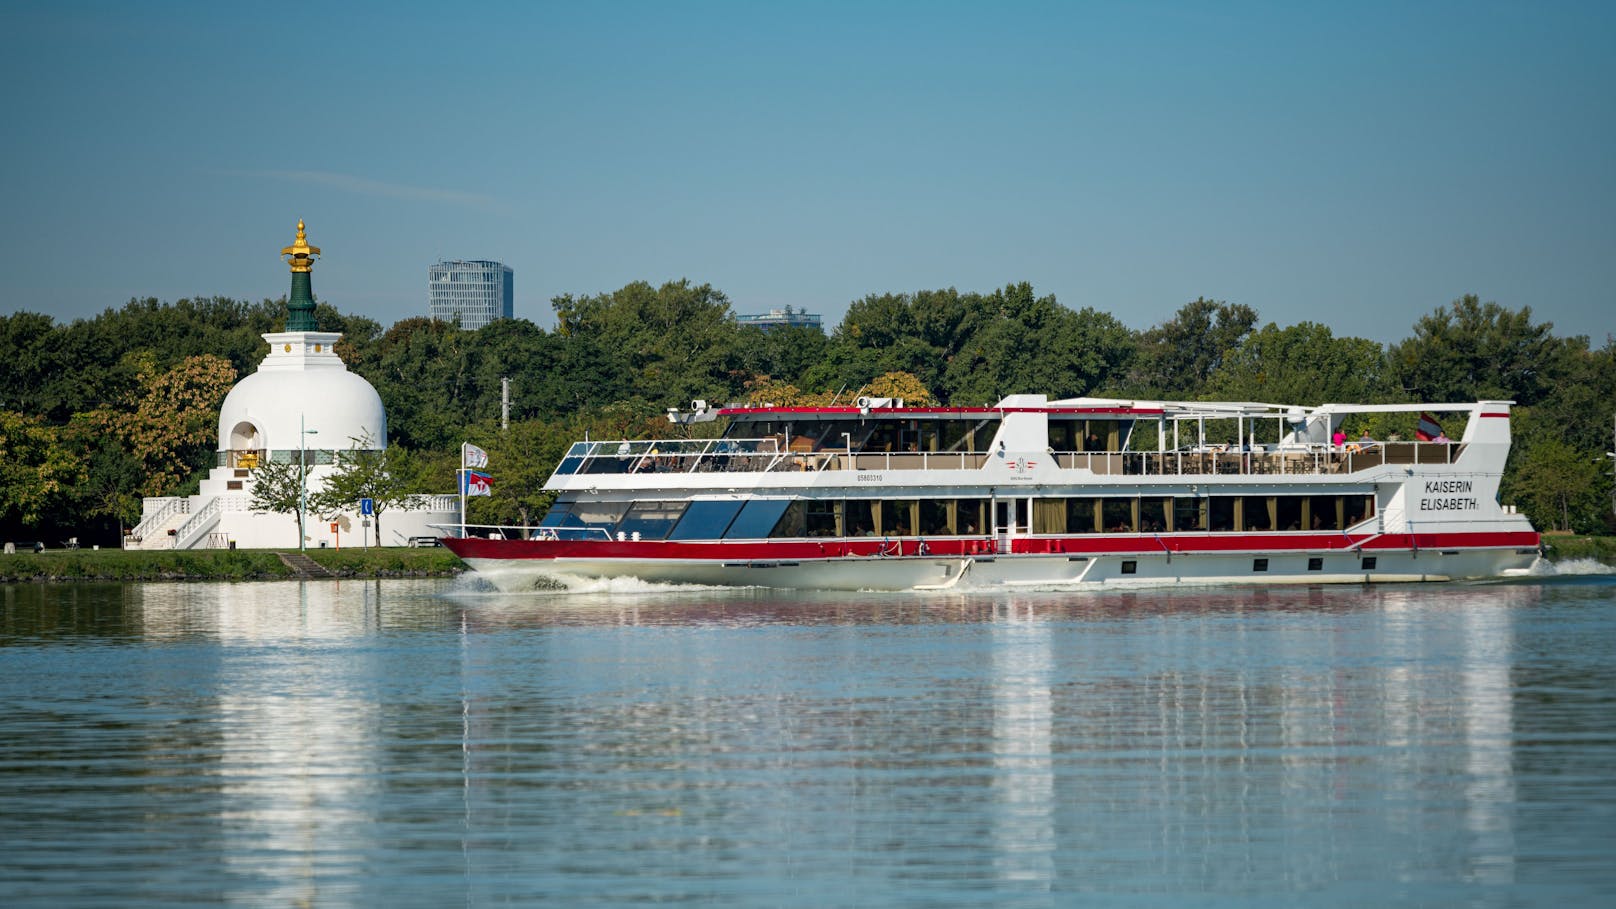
[300, 255]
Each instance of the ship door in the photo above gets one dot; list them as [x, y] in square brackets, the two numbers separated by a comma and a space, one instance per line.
[1004, 521]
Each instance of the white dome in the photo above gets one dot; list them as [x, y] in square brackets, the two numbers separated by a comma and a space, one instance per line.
[301, 381]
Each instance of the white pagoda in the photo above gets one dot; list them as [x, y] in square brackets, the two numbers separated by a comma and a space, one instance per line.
[302, 402]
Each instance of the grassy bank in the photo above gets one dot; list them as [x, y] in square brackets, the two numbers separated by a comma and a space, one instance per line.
[1563, 548]
[219, 564]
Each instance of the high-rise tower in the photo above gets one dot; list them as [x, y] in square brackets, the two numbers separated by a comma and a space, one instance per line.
[470, 293]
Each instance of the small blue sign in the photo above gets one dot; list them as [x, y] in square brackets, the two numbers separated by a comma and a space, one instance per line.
[367, 506]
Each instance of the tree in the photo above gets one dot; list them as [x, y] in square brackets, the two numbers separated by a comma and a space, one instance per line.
[1033, 345]
[36, 471]
[677, 339]
[1470, 351]
[1560, 487]
[1300, 364]
[173, 428]
[278, 488]
[1178, 357]
[365, 472]
[521, 459]
[112, 475]
[899, 385]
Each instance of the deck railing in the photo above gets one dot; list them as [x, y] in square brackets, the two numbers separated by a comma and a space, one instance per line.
[768, 455]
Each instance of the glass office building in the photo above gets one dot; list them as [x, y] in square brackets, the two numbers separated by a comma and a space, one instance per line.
[471, 294]
[782, 318]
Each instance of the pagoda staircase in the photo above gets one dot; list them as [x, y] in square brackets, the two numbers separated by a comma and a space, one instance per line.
[303, 566]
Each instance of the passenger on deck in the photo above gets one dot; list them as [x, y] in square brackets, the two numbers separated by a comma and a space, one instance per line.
[1339, 438]
[1442, 438]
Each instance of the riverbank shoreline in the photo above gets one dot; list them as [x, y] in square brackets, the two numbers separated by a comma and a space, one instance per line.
[87, 565]
[1564, 547]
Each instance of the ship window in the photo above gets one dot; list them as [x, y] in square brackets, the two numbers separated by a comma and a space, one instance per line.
[860, 518]
[951, 435]
[970, 516]
[1048, 515]
[1324, 513]
[1082, 515]
[1118, 515]
[1289, 510]
[934, 517]
[1358, 508]
[595, 514]
[556, 516]
[1101, 435]
[1189, 514]
[1369, 563]
[1130, 567]
[1315, 564]
[1064, 434]
[1258, 513]
[651, 520]
[898, 517]
[819, 518]
[756, 519]
[705, 520]
[1259, 564]
[791, 524]
[967, 434]
[1220, 513]
[1154, 514]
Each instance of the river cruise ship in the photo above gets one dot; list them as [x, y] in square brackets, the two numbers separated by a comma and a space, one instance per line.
[1083, 492]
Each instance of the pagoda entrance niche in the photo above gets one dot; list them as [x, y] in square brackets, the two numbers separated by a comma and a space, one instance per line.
[246, 446]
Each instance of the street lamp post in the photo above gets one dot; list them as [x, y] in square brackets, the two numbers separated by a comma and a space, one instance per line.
[302, 482]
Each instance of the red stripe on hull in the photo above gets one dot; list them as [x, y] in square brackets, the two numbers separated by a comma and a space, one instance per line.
[804, 550]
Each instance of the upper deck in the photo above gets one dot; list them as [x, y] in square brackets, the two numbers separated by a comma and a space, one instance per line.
[1028, 439]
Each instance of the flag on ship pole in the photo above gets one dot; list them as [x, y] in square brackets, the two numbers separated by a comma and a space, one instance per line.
[477, 483]
[471, 456]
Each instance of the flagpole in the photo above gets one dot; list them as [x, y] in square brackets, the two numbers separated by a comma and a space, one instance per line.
[461, 476]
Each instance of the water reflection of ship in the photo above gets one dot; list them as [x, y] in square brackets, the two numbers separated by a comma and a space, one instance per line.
[1328, 747]
[1261, 708]
[762, 607]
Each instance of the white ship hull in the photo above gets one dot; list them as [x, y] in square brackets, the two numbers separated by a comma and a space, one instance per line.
[1013, 570]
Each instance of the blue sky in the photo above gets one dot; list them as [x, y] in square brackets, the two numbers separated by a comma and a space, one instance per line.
[1353, 164]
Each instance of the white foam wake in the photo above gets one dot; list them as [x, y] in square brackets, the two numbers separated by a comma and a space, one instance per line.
[1545, 568]
[569, 584]
[561, 584]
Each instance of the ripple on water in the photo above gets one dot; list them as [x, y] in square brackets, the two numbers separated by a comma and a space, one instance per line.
[417, 743]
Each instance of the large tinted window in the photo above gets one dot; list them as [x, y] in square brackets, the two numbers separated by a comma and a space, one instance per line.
[705, 520]
[555, 517]
[596, 514]
[757, 519]
[651, 520]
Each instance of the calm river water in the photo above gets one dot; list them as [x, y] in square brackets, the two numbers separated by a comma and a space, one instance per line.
[425, 744]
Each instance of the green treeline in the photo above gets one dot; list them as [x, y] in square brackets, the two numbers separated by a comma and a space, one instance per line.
[97, 413]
